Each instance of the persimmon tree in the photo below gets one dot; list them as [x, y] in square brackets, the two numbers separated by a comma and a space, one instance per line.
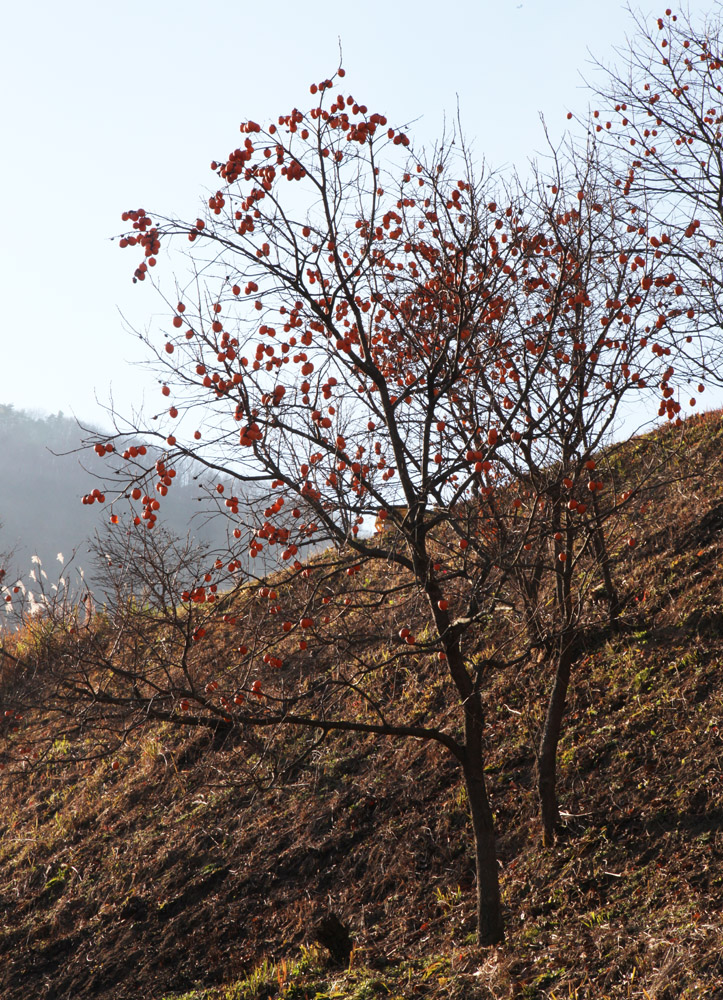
[593, 333]
[340, 358]
[660, 119]
[379, 338]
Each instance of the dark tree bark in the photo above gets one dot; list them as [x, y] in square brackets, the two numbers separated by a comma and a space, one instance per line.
[547, 755]
[603, 558]
[330, 932]
[490, 925]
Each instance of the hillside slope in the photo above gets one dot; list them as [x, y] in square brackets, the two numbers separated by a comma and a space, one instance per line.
[178, 868]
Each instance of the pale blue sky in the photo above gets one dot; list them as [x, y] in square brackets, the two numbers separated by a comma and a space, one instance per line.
[113, 106]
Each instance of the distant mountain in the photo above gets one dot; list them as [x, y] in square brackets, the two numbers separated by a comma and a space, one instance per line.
[43, 477]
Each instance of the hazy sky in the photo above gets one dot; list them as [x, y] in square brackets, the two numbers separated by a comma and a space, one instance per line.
[109, 106]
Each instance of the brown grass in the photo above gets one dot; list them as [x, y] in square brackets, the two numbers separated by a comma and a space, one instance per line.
[188, 871]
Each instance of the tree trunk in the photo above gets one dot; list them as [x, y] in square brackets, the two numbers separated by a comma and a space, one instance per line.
[330, 932]
[603, 557]
[547, 756]
[490, 926]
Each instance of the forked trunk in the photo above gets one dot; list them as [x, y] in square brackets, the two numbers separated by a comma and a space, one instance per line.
[547, 756]
[603, 558]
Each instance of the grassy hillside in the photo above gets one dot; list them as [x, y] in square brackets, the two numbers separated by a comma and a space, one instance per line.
[188, 866]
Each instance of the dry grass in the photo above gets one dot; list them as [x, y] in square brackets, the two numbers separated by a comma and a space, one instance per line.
[177, 873]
